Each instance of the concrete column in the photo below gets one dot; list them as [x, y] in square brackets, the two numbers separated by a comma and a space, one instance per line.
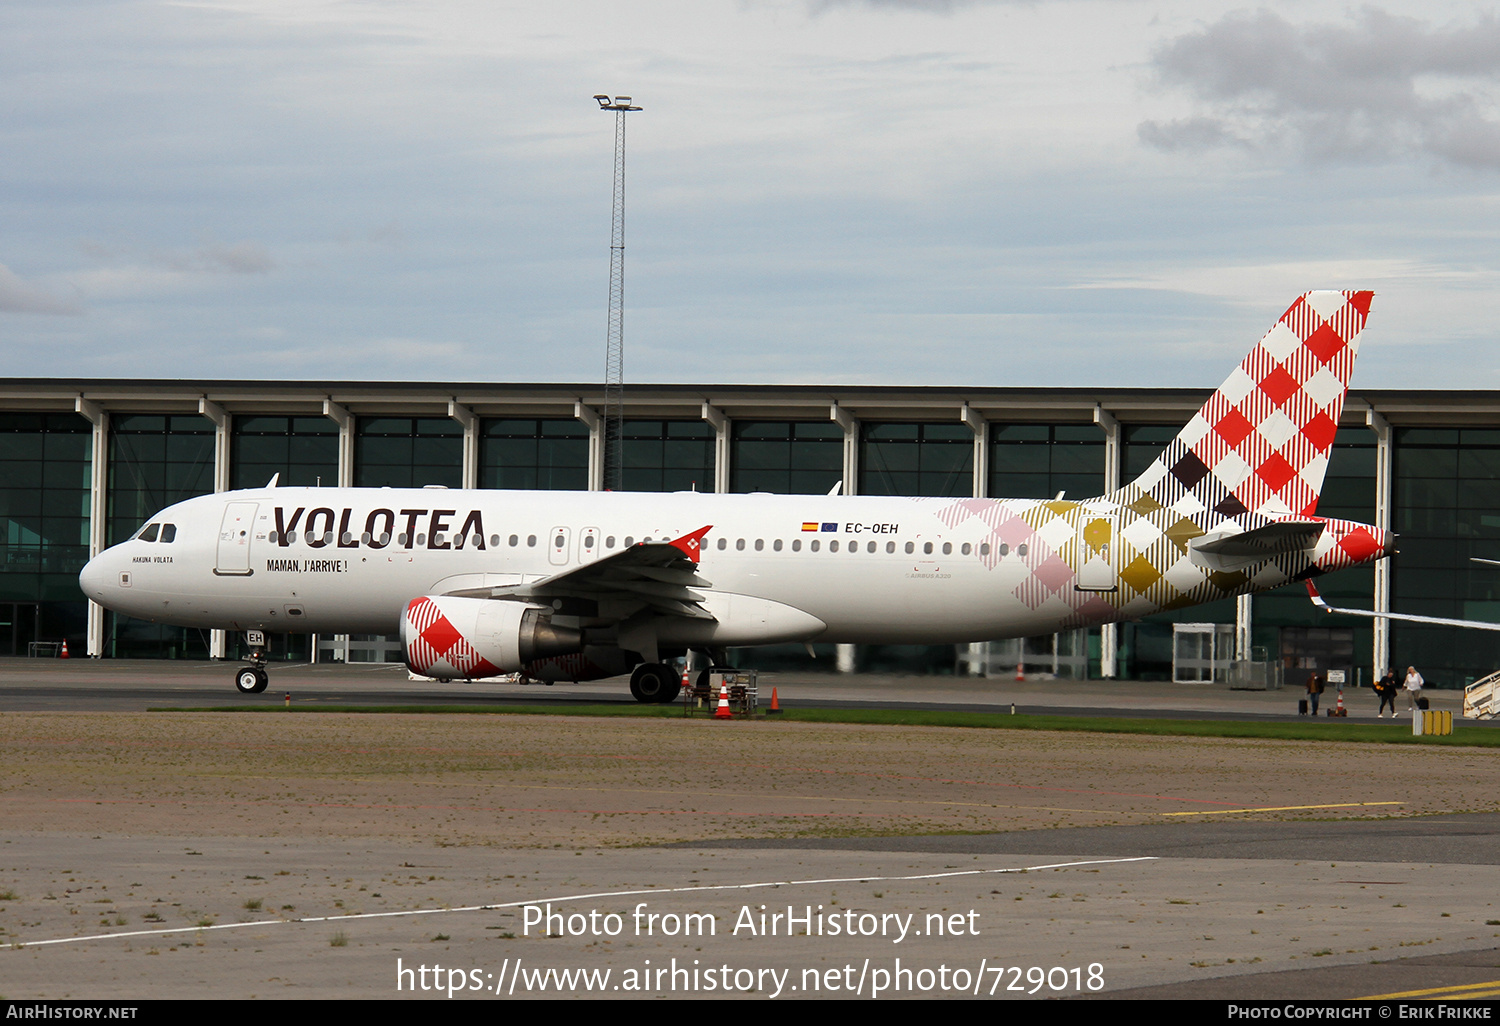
[1384, 459]
[1109, 633]
[592, 421]
[720, 424]
[217, 643]
[981, 428]
[850, 423]
[342, 417]
[98, 506]
[1244, 618]
[976, 662]
[470, 424]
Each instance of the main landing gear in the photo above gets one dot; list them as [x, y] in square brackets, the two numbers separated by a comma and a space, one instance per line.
[253, 679]
[654, 682]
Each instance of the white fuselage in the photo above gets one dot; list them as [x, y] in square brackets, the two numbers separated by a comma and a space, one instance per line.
[348, 560]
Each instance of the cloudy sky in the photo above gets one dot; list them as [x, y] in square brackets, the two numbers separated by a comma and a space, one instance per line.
[1068, 192]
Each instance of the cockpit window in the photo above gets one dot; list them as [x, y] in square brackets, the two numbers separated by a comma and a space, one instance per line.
[148, 533]
[168, 532]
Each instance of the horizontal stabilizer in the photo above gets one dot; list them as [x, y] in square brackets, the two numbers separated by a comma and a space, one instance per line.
[1232, 550]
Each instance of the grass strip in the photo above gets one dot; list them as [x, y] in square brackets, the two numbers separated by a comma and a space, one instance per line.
[1359, 731]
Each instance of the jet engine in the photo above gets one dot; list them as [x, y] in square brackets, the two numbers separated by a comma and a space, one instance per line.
[465, 638]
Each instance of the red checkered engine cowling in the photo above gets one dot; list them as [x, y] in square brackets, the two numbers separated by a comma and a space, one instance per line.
[464, 638]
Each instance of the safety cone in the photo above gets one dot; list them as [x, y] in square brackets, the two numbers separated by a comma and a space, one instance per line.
[63, 654]
[775, 709]
[686, 684]
[1340, 710]
[1020, 671]
[722, 712]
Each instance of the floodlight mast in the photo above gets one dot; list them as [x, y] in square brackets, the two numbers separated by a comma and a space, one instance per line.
[614, 347]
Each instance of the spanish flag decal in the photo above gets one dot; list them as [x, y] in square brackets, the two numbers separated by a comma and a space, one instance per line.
[809, 526]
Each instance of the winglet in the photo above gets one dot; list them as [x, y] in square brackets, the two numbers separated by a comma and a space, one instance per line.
[691, 544]
[1317, 599]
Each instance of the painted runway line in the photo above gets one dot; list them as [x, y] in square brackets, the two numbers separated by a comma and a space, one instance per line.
[636, 892]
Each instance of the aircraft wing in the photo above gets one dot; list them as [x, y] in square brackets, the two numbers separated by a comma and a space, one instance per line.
[1478, 625]
[659, 576]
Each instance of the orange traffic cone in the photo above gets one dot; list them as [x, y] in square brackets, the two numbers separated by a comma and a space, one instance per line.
[1340, 710]
[1020, 671]
[722, 712]
[686, 683]
[775, 709]
[63, 654]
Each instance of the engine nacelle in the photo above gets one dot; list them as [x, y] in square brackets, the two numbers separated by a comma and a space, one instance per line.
[466, 638]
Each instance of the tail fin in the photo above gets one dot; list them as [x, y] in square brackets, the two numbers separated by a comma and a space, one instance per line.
[1261, 442]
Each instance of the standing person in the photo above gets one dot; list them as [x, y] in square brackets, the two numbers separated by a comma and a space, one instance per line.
[1314, 689]
[1413, 686]
[1385, 687]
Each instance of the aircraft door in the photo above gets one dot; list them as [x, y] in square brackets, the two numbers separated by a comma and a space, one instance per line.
[588, 545]
[235, 530]
[1097, 550]
[561, 543]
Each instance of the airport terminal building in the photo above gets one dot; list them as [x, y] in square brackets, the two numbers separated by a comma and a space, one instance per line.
[84, 462]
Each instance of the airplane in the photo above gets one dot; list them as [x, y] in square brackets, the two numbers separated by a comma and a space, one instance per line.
[588, 585]
[1439, 621]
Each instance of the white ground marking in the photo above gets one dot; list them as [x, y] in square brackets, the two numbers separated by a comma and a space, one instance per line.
[577, 897]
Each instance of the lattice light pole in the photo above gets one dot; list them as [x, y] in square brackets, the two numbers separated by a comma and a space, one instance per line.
[614, 347]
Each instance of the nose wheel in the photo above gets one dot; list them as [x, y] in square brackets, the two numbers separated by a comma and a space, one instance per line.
[251, 680]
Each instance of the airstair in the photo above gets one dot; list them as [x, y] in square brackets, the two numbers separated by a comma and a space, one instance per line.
[1482, 698]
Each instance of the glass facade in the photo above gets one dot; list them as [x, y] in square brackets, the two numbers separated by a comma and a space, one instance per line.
[916, 459]
[408, 452]
[786, 457]
[668, 456]
[1036, 461]
[531, 453]
[44, 509]
[155, 461]
[303, 450]
[1446, 492]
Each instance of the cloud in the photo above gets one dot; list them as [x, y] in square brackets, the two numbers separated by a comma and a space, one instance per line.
[19, 296]
[931, 6]
[1380, 88]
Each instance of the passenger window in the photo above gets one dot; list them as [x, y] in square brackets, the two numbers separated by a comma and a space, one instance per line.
[927, 548]
[910, 548]
[723, 544]
[776, 545]
[168, 532]
[531, 541]
[148, 533]
[965, 550]
[609, 542]
[870, 547]
[796, 544]
[629, 541]
[739, 545]
[1021, 550]
[833, 546]
[1004, 548]
[812, 546]
[984, 548]
[890, 546]
[760, 545]
[947, 548]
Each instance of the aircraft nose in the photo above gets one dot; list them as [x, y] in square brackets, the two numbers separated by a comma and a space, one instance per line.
[95, 577]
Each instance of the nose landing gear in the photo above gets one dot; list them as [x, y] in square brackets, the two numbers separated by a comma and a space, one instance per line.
[253, 679]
